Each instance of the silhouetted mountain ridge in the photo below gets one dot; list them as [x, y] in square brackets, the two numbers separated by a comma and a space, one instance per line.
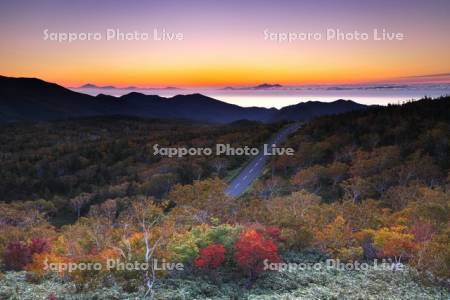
[31, 99]
[264, 86]
[313, 109]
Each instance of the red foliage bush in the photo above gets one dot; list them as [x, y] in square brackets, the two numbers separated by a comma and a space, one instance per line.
[18, 254]
[273, 232]
[38, 245]
[210, 257]
[251, 250]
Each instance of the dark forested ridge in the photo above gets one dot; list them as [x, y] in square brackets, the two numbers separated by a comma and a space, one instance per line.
[29, 99]
[312, 109]
[366, 154]
[112, 156]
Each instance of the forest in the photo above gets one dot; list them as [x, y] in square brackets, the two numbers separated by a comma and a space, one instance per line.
[369, 186]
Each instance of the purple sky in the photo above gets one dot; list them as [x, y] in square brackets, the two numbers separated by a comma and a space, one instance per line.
[223, 41]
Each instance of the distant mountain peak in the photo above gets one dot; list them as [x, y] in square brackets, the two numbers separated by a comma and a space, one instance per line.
[133, 94]
[93, 86]
[267, 86]
[88, 86]
[264, 86]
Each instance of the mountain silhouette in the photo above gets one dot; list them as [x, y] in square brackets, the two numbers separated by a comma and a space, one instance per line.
[311, 109]
[267, 86]
[31, 99]
[264, 86]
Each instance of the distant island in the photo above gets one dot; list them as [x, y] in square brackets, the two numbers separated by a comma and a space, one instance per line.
[264, 86]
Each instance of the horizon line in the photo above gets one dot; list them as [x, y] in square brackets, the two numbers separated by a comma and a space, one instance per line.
[437, 78]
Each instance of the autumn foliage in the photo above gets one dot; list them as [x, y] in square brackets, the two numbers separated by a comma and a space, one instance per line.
[274, 233]
[18, 254]
[251, 250]
[372, 184]
[395, 242]
[210, 257]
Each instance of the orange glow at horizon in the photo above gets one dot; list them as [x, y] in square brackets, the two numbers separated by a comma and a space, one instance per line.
[127, 65]
[212, 78]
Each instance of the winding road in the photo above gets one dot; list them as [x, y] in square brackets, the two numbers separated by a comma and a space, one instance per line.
[241, 182]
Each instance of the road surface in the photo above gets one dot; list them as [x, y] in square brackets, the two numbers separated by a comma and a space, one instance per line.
[240, 183]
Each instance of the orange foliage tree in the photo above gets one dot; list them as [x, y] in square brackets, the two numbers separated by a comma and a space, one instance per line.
[393, 242]
[337, 240]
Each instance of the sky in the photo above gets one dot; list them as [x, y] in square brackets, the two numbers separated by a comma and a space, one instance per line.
[224, 42]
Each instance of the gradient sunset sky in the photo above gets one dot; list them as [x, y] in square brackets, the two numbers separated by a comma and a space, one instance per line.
[223, 42]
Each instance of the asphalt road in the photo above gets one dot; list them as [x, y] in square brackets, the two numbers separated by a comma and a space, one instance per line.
[240, 183]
